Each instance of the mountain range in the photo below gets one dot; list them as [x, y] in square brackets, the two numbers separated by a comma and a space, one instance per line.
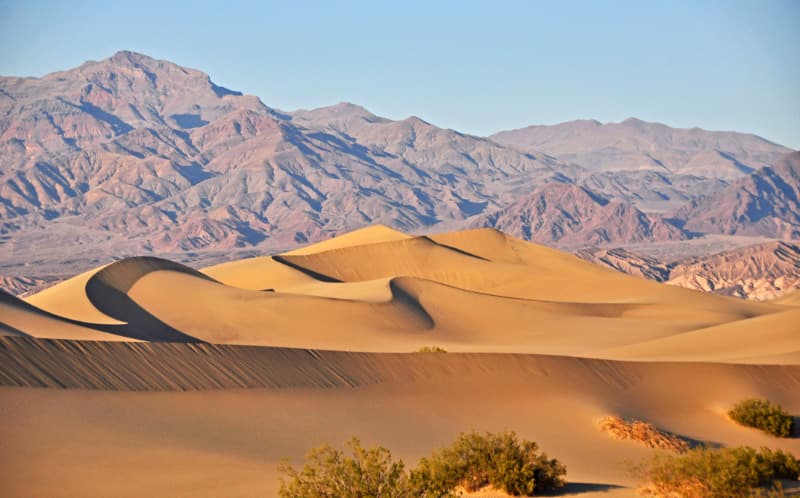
[634, 144]
[134, 155]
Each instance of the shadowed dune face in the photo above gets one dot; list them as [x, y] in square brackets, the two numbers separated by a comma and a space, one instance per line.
[109, 290]
[19, 316]
[97, 303]
[377, 289]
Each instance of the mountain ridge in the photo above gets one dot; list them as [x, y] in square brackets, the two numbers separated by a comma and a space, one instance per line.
[133, 155]
[572, 216]
[634, 144]
[156, 172]
[766, 203]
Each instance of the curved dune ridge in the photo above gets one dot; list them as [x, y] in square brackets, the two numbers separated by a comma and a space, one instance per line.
[377, 289]
[367, 235]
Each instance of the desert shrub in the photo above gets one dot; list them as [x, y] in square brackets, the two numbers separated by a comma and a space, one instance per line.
[704, 472]
[431, 349]
[330, 473]
[644, 433]
[473, 461]
[476, 460]
[765, 415]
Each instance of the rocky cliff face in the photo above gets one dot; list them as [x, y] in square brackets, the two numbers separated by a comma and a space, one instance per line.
[628, 262]
[759, 272]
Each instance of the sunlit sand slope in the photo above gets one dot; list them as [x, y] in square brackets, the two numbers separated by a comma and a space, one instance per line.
[765, 339]
[367, 235]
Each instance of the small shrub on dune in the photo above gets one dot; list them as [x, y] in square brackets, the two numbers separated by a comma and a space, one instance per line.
[642, 432]
[476, 460]
[431, 349]
[765, 415]
[706, 473]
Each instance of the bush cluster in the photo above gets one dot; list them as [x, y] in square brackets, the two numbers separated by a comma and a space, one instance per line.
[473, 461]
[765, 415]
[476, 460]
[329, 473]
[704, 472]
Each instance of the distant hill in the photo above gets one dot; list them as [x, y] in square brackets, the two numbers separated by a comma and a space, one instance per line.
[628, 262]
[638, 145]
[766, 203]
[764, 271]
[567, 215]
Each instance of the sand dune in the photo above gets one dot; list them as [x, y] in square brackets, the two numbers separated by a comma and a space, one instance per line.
[192, 305]
[490, 262]
[17, 317]
[367, 235]
[68, 299]
[377, 289]
[792, 299]
[263, 273]
[772, 338]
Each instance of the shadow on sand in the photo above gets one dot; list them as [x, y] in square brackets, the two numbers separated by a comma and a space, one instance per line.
[579, 488]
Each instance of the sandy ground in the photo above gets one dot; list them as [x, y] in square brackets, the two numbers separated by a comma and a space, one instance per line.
[212, 443]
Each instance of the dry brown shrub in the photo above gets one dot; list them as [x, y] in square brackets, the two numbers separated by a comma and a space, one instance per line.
[643, 432]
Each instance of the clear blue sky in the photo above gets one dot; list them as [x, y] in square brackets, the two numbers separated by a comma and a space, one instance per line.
[478, 67]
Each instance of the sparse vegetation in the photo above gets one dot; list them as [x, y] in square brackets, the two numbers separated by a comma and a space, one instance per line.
[476, 460]
[330, 473]
[644, 433]
[472, 462]
[431, 349]
[706, 473]
[765, 415]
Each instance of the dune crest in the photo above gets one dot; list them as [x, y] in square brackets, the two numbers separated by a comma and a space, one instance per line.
[368, 235]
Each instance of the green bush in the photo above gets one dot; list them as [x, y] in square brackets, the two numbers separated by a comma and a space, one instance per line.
[476, 460]
[704, 472]
[472, 462]
[764, 415]
[329, 473]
